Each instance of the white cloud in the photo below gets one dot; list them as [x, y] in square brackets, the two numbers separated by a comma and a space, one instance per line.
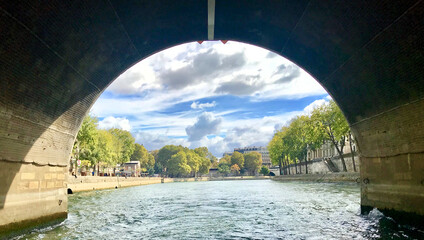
[244, 132]
[201, 67]
[135, 80]
[231, 132]
[251, 74]
[199, 70]
[299, 87]
[241, 85]
[198, 105]
[152, 141]
[206, 124]
[112, 122]
[216, 145]
[308, 109]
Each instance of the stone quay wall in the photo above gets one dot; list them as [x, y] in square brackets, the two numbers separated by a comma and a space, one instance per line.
[318, 166]
[90, 183]
[321, 177]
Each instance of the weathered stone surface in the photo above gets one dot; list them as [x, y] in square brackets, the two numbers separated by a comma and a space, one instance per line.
[319, 167]
[26, 200]
[56, 57]
[321, 177]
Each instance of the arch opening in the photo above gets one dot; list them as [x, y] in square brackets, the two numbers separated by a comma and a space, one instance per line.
[167, 93]
[179, 96]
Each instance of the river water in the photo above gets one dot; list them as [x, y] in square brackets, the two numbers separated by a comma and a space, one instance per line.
[254, 209]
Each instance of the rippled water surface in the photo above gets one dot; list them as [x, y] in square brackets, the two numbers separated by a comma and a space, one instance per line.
[254, 209]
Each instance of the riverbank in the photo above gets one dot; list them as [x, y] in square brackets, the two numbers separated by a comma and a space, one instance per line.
[325, 177]
[90, 183]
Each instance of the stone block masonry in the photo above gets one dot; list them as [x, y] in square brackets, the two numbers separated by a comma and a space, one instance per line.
[90, 183]
[392, 161]
[321, 177]
[32, 195]
[318, 166]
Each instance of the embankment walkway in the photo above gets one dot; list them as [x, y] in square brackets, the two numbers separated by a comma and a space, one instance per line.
[324, 177]
[90, 183]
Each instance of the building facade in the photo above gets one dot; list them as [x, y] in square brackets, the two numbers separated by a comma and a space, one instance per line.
[328, 150]
[132, 168]
[266, 160]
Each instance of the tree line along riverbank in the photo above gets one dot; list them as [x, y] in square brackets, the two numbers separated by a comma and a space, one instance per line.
[101, 152]
[308, 134]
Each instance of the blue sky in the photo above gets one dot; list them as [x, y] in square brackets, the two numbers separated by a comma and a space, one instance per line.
[212, 94]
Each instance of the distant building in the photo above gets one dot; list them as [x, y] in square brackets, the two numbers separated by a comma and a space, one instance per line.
[132, 167]
[213, 172]
[266, 160]
[328, 150]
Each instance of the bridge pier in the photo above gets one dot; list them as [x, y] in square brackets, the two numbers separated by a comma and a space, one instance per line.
[392, 161]
[34, 152]
[30, 196]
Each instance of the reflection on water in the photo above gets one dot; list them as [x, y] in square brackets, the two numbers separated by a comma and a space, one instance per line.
[255, 209]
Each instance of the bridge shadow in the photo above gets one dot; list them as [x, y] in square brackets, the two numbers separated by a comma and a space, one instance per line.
[8, 171]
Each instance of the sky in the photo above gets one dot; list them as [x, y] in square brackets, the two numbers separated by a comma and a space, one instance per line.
[217, 95]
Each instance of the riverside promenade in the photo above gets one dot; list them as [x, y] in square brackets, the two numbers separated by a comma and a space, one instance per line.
[90, 183]
[323, 177]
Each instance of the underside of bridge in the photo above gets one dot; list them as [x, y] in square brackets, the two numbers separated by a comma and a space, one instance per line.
[56, 58]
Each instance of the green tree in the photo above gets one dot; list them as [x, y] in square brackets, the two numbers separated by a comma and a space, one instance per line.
[297, 139]
[87, 134]
[105, 148]
[177, 165]
[235, 169]
[252, 161]
[124, 144]
[139, 154]
[237, 158]
[277, 149]
[150, 161]
[264, 171]
[330, 119]
[151, 171]
[86, 141]
[154, 153]
[143, 156]
[224, 168]
[205, 164]
[204, 152]
[291, 143]
[156, 167]
[105, 145]
[194, 161]
[164, 155]
[225, 159]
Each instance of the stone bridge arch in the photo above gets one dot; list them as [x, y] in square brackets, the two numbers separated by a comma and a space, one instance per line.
[56, 58]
